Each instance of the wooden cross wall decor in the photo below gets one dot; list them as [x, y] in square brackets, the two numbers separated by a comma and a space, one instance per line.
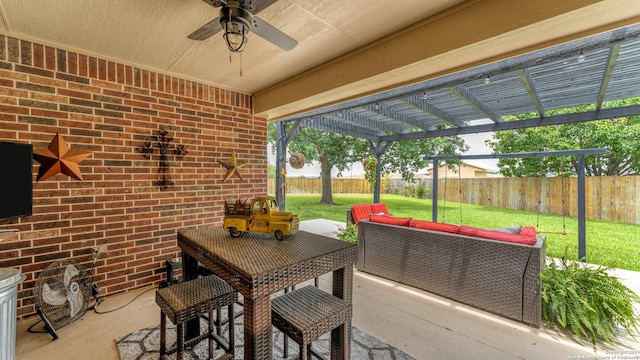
[162, 142]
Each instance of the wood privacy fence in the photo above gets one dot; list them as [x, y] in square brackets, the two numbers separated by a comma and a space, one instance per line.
[314, 186]
[612, 198]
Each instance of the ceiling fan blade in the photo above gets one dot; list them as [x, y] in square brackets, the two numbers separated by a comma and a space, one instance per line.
[207, 30]
[271, 34]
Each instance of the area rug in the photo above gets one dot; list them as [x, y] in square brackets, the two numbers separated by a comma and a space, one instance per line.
[145, 344]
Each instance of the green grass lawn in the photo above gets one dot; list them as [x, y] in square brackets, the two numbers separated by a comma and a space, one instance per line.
[608, 243]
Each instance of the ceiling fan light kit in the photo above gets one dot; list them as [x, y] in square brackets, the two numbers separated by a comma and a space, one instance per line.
[235, 23]
[237, 20]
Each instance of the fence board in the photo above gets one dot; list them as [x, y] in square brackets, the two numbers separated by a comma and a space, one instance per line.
[612, 198]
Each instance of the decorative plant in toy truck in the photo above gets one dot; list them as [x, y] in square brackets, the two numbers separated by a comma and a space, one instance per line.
[260, 215]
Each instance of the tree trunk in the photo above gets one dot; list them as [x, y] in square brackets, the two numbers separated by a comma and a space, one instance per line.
[325, 174]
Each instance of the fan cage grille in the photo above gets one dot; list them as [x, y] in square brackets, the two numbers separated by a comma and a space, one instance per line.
[52, 285]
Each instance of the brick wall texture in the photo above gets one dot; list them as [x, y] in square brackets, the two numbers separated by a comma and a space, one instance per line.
[111, 110]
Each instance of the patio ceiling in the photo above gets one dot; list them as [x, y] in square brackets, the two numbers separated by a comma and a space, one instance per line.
[590, 71]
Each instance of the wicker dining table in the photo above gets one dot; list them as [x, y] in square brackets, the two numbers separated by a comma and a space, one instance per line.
[258, 265]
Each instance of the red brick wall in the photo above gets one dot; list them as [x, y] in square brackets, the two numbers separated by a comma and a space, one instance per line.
[111, 109]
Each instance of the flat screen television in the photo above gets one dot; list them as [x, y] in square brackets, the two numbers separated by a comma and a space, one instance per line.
[16, 180]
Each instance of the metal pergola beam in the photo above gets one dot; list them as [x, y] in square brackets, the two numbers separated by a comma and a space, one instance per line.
[522, 124]
[462, 92]
[424, 105]
[611, 63]
[380, 125]
[332, 125]
[528, 83]
[522, 155]
[388, 112]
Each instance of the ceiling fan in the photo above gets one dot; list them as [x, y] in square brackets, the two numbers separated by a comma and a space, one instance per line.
[237, 19]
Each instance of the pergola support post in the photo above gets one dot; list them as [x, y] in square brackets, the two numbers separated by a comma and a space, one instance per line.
[434, 191]
[282, 140]
[378, 149]
[582, 213]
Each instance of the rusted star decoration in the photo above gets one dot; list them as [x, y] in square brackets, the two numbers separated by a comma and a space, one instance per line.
[59, 158]
[232, 167]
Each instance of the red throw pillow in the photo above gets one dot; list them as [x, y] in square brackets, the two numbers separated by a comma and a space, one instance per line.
[430, 225]
[360, 212]
[390, 220]
[528, 233]
[498, 235]
[378, 208]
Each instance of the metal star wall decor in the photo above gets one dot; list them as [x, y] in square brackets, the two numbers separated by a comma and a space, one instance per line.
[232, 167]
[58, 158]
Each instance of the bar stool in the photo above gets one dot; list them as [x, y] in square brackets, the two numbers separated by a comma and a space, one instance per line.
[285, 340]
[189, 300]
[307, 313]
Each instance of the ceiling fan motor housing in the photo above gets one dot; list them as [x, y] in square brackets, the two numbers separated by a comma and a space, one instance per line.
[235, 14]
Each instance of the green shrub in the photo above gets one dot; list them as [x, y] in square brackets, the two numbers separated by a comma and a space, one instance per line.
[587, 301]
[348, 233]
[409, 190]
[421, 191]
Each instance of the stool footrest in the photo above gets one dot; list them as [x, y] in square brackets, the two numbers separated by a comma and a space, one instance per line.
[222, 343]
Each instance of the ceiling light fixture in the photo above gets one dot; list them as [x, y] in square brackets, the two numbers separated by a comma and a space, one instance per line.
[581, 57]
[487, 80]
[235, 23]
[425, 96]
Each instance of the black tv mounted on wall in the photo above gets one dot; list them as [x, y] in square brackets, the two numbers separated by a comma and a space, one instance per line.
[16, 180]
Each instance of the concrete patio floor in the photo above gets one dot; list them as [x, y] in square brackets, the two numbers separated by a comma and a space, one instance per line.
[421, 324]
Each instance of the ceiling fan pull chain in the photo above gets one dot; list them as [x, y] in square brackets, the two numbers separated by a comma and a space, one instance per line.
[240, 64]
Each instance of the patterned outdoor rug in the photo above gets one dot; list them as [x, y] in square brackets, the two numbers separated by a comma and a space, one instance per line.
[145, 344]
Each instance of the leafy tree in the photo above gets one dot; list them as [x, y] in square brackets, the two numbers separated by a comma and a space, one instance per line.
[271, 171]
[407, 156]
[335, 150]
[620, 136]
[329, 149]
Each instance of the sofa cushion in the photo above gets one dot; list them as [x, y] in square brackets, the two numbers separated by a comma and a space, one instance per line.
[360, 212]
[390, 220]
[430, 225]
[529, 231]
[379, 208]
[525, 236]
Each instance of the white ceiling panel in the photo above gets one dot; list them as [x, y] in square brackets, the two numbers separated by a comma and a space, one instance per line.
[153, 33]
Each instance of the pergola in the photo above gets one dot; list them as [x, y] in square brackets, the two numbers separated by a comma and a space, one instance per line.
[590, 71]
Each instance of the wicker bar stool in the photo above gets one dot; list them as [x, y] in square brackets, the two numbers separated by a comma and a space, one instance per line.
[189, 300]
[285, 341]
[307, 313]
